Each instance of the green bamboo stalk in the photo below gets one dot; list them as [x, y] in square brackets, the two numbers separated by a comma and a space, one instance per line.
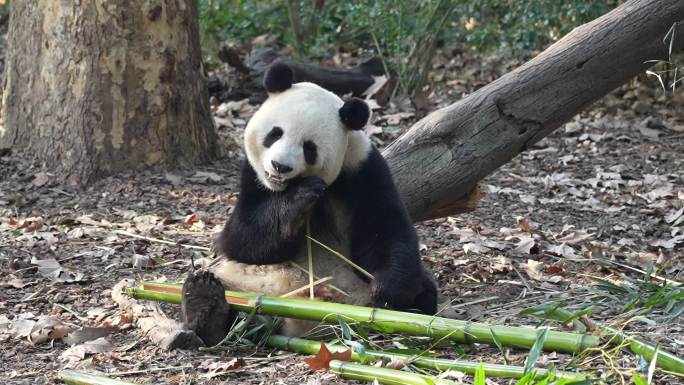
[352, 371]
[73, 377]
[304, 346]
[665, 360]
[385, 321]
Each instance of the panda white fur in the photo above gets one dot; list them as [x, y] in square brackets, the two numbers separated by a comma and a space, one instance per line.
[308, 159]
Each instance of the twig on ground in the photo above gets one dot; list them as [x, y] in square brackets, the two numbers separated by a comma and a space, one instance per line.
[126, 233]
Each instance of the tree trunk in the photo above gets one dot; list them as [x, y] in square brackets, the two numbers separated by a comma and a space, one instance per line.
[97, 87]
[438, 162]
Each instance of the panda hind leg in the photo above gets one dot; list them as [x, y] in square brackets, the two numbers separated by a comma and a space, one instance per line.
[204, 309]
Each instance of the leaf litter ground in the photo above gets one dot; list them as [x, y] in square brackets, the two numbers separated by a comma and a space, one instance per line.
[571, 222]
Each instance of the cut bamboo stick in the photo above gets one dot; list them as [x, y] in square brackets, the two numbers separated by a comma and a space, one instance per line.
[665, 360]
[382, 320]
[352, 371]
[304, 346]
[73, 377]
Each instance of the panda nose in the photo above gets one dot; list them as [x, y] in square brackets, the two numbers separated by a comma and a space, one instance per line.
[281, 168]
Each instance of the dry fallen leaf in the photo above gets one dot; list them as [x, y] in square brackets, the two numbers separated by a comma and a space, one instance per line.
[533, 269]
[192, 218]
[14, 282]
[40, 179]
[22, 325]
[142, 261]
[474, 247]
[322, 359]
[574, 237]
[501, 264]
[85, 334]
[649, 132]
[524, 246]
[563, 250]
[523, 224]
[50, 268]
[47, 328]
[668, 244]
[219, 368]
[674, 215]
[79, 352]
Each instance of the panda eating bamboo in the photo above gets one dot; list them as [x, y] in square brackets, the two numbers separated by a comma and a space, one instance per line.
[310, 166]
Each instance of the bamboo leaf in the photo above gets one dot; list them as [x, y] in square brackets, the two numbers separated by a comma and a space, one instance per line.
[346, 330]
[499, 345]
[638, 380]
[480, 376]
[526, 379]
[652, 366]
[536, 349]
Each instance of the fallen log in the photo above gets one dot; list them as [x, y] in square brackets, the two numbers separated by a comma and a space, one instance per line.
[438, 162]
[342, 81]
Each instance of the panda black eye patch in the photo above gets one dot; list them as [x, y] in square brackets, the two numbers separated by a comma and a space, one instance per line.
[273, 136]
[310, 152]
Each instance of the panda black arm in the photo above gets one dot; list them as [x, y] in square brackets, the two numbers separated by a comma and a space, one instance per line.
[267, 227]
[383, 239]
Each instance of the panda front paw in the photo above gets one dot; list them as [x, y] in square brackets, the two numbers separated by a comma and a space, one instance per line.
[307, 191]
[388, 291]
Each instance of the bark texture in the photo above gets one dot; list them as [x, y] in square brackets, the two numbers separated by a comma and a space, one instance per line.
[100, 86]
[438, 162]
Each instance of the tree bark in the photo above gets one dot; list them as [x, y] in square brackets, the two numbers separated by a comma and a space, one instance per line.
[98, 87]
[438, 162]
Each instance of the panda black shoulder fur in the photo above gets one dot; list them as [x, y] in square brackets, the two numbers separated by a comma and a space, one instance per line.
[309, 159]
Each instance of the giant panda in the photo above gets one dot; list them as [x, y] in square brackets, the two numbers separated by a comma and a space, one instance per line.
[309, 161]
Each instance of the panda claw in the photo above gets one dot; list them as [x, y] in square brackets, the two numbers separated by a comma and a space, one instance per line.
[204, 309]
[308, 191]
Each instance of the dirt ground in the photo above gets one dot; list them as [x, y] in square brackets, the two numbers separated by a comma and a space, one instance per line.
[592, 205]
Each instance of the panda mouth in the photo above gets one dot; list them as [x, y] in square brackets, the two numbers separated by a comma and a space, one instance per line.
[276, 179]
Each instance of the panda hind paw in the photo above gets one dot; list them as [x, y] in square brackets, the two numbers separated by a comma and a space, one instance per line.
[204, 309]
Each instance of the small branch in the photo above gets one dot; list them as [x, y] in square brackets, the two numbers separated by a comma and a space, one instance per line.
[653, 275]
[168, 368]
[83, 319]
[308, 286]
[487, 299]
[126, 233]
[342, 257]
[303, 270]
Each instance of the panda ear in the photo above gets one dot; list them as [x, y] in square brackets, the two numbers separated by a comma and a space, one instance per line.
[355, 113]
[278, 78]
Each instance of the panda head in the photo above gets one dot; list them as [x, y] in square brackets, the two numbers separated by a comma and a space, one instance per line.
[301, 130]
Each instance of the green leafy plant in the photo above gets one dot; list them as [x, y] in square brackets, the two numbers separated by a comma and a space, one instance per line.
[404, 33]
